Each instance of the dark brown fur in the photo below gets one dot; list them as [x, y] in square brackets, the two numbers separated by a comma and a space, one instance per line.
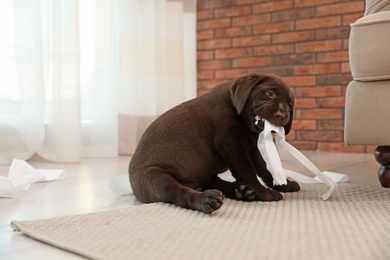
[180, 155]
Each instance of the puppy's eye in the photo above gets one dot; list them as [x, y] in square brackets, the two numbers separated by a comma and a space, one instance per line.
[270, 94]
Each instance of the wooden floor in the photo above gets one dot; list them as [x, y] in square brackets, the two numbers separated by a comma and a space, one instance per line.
[85, 190]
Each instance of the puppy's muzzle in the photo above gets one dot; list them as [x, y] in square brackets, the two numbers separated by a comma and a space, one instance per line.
[280, 117]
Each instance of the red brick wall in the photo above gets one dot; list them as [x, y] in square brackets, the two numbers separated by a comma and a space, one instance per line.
[303, 41]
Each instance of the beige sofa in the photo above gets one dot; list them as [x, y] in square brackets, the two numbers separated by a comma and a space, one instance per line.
[367, 108]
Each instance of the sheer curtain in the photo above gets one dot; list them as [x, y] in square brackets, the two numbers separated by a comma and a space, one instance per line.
[85, 78]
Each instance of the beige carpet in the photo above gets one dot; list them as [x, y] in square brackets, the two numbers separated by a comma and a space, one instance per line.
[353, 224]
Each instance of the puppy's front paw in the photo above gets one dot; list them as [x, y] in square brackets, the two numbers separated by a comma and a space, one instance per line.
[291, 186]
[245, 193]
[269, 195]
[211, 201]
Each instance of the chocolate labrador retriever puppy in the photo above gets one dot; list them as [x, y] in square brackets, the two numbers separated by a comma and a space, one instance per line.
[181, 153]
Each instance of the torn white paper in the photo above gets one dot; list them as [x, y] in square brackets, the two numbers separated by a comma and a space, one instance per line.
[120, 184]
[271, 152]
[21, 175]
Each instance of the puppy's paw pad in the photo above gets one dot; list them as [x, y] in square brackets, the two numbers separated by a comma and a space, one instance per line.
[245, 193]
[211, 201]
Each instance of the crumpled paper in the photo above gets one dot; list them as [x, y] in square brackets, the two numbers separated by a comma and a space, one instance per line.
[120, 184]
[271, 151]
[21, 175]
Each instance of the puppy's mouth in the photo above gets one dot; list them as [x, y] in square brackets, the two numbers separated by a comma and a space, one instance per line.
[259, 122]
[278, 115]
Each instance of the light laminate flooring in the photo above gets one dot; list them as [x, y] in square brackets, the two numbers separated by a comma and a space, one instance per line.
[85, 190]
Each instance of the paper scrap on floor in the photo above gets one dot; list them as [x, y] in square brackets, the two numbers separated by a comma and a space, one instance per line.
[21, 175]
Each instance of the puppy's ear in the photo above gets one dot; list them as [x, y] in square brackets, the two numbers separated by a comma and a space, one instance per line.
[242, 88]
[287, 127]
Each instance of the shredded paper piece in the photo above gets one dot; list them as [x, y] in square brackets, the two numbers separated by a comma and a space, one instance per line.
[120, 184]
[271, 150]
[21, 175]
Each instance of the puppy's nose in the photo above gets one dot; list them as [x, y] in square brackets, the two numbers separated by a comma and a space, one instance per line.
[280, 115]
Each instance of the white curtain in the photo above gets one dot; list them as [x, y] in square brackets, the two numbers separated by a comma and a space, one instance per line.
[85, 78]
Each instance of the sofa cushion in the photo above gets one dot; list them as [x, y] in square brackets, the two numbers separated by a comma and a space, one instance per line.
[367, 113]
[369, 49]
[374, 6]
